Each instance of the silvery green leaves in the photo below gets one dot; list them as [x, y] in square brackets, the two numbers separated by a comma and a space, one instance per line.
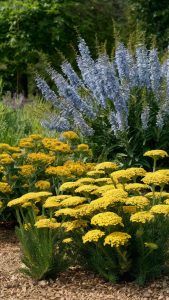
[105, 86]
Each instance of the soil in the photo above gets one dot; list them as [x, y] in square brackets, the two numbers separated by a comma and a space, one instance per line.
[74, 284]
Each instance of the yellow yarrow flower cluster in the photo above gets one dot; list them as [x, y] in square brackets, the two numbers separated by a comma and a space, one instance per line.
[95, 174]
[160, 209]
[83, 147]
[50, 143]
[66, 212]
[35, 196]
[73, 201]
[67, 241]
[117, 239]
[68, 186]
[42, 185]
[86, 180]
[155, 154]
[58, 171]
[26, 170]
[35, 136]
[93, 236]
[157, 195]
[86, 188]
[70, 135]
[40, 157]
[47, 223]
[166, 201]
[138, 201]
[142, 217]
[76, 168]
[6, 159]
[106, 166]
[129, 209]
[26, 143]
[135, 187]
[155, 178]
[106, 219]
[5, 187]
[76, 224]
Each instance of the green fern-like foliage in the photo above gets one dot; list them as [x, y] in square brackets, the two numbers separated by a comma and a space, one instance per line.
[41, 252]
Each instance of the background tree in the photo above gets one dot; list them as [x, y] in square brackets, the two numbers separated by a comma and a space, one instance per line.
[152, 16]
[32, 29]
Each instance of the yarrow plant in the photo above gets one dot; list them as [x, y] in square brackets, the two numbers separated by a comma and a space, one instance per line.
[114, 222]
[122, 100]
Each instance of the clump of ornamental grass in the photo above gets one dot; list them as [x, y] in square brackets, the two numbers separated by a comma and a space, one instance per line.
[40, 163]
[120, 103]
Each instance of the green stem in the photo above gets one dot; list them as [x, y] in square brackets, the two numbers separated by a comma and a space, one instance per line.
[154, 165]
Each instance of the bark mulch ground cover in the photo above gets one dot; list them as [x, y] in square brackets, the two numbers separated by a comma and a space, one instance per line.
[75, 284]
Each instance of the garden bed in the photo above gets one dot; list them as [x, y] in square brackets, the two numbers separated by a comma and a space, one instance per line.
[73, 284]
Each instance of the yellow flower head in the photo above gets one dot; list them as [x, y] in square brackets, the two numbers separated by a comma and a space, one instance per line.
[93, 236]
[58, 171]
[73, 201]
[117, 239]
[37, 196]
[142, 217]
[63, 148]
[116, 193]
[136, 187]
[17, 201]
[35, 137]
[5, 187]
[86, 180]
[76, 224]
[4, 147]
[27, 170]
[103, 189]
[106, 166]
[157, 195]
[41, 157]
[67, 241]
[26, 143]
[138, 201]
[160, 209]
[17, 155]
[106, 219]
[83, 147]
[42, 185]
[77, 168]
[50, 143]
[96, 174]
[127, 175]
[66, 186]
[47, 223]
[86, 188]
[166, 201]
[155, 178]
[103, 180]
[156, 154]
[66, 212]
[6, 159]
[14, 149]
[70, 135]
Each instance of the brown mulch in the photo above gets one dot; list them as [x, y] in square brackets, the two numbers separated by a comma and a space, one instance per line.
[75, 284]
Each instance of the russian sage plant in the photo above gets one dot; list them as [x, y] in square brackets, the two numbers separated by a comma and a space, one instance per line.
[120, 103]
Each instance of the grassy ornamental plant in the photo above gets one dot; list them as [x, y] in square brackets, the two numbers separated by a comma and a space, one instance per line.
[115, 222]
[40, 163]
